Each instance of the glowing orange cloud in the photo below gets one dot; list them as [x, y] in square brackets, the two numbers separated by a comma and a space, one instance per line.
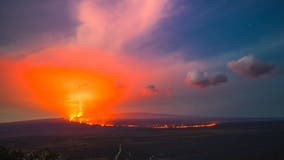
[77, 86]
[73, 92]
[81, 83]
[84, 79]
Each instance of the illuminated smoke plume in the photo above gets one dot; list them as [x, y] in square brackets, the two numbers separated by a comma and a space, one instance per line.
[78, 78]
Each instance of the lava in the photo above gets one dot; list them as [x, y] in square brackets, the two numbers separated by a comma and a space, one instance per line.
[156, 126]
[212, 124]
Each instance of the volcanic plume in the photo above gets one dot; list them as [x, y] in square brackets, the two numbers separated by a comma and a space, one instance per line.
[83, 79]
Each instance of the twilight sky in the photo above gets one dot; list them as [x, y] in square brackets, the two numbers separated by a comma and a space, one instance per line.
[193, 57]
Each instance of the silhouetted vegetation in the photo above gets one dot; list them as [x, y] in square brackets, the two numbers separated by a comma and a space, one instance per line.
[6, 154]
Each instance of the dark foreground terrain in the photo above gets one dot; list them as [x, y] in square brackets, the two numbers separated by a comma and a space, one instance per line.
[226, 141]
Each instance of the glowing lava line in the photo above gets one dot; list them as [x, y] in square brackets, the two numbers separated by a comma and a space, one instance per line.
[157, 126]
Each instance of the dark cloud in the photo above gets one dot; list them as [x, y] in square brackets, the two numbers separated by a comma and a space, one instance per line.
[150, 90]
[200, 79]
[151, 87]
[250, 67]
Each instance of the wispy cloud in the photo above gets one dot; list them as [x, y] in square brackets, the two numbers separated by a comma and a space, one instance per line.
[112, 26]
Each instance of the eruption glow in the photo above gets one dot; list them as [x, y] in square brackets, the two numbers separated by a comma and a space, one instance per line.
[78, 79]
[81, 96]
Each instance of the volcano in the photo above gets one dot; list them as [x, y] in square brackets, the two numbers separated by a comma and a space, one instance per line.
[82, 141]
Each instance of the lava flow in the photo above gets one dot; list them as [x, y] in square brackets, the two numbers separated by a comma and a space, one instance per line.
[157, 126]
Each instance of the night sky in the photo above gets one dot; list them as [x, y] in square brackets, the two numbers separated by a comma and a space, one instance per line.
[191, 57]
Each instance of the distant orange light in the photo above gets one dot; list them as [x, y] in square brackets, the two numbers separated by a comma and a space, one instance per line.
[197, 125]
